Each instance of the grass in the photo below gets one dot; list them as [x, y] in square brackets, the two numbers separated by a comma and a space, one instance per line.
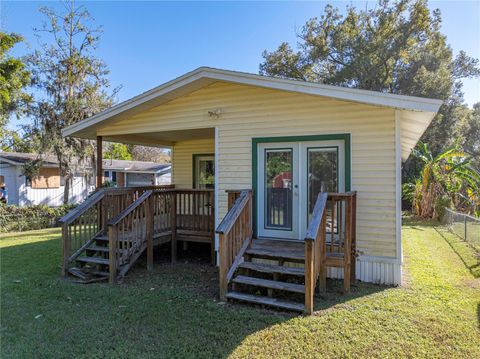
[173, 311]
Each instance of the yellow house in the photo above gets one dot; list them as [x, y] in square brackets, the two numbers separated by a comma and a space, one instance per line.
[287, 141]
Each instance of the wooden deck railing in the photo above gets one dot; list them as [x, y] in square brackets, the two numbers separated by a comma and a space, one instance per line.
[315, 249]
[132, 215]
[129, 233]
[195, 212]
[340, 235]
[330, 242]
[235, 234]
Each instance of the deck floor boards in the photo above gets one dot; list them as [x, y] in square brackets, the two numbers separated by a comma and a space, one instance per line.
[278, 248]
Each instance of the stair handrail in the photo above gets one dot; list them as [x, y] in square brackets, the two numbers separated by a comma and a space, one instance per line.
[235, 235]
[100, 193]
[79, 227]
[118, 218]
[232, 215]
[82, 207]
[315, 248]
[134, 244]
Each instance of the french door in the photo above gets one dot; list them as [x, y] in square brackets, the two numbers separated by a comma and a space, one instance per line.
[289, 177]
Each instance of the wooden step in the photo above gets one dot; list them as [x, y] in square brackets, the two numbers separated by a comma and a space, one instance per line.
[94, 260]
[272, 284]
[284, 304]
[99, 273]
[82, 273]
[269, 268]
[276, 254]
[102, 237]
[98, 249]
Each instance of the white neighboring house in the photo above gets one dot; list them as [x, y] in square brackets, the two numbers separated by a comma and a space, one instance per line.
[48, 187]
[136, 173]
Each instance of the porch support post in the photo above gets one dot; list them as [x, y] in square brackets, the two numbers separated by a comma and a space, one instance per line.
[99, 162]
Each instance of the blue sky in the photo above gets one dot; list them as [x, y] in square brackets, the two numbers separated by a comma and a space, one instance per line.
[147, 43]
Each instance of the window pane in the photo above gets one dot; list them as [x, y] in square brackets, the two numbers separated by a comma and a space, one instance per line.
[206, 174]
[278, 188]
[322, 174]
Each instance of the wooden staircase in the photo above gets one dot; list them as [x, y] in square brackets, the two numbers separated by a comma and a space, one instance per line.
[272, 274]
[93, 263]
[284, 273]
[105, 235]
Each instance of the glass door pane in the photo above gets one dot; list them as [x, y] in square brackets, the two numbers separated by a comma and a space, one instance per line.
[322, 174]
[205, 172]
[278, 188]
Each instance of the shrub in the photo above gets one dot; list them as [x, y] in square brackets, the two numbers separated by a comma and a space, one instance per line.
[441, 203]
[14, 218]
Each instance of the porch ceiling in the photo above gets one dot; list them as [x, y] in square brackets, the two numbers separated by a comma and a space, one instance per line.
[162, 139]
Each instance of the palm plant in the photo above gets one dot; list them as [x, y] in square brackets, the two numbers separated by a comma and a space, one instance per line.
[446, 180]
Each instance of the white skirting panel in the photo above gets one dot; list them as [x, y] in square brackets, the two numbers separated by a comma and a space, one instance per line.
[373, 270]
[376, 270]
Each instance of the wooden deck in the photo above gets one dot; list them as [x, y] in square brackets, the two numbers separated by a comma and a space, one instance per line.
[104, 236]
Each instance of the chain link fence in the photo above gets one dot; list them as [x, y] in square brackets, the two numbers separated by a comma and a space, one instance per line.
[464, 226]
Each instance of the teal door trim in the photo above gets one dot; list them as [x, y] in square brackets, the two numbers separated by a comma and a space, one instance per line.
[345, 137]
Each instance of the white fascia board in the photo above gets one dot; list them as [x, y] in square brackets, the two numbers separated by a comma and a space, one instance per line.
[343, 93]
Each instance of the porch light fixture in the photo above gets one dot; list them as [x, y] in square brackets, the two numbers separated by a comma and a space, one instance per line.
[215, 114]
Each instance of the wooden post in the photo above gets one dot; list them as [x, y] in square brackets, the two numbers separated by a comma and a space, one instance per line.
[309, 278]
[322, 276]
[66, 249]
[348, 245]
[112, 244]
[149, 232]
[211, 212]
[99, 162]
[223, 268]
[174, 227]
[354, 238]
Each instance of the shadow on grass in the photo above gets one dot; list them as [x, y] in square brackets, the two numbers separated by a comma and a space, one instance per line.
[173, 309]
[464, 251]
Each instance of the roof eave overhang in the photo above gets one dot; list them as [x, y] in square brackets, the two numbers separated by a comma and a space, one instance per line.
[204, 76]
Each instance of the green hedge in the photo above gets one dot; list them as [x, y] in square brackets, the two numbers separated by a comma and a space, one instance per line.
[14, 218]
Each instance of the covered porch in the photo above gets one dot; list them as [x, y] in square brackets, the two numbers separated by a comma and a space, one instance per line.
[104, 236]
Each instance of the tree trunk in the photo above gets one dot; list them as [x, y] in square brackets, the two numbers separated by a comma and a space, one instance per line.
[66, 189]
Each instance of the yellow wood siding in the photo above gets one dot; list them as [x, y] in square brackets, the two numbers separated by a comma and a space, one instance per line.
[249, 112]
[182, 154]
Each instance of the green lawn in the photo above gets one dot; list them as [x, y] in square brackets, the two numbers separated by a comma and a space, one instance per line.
[173, 311]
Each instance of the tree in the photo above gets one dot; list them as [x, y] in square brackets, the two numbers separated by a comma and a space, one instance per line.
[471, 141]
[73, 83]
[397, 47]
[14, 79]
[447, 180]
[151, 154]
[12, 141]
[118, 151]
